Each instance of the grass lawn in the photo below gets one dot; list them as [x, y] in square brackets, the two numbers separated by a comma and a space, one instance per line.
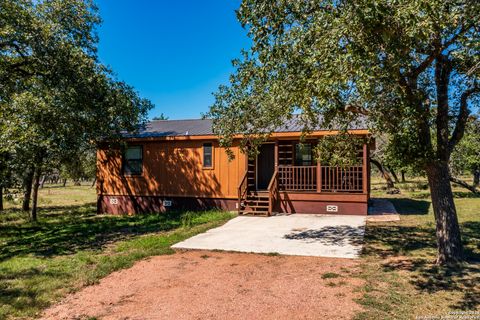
[71, 246]
[402, 281]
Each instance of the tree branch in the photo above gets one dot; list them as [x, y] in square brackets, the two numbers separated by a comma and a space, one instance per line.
[437, 50]
[356, 109]
[384, 173]
[410, 87]
[464, 184]
[462, 117]
[424, 64]
[443, 70]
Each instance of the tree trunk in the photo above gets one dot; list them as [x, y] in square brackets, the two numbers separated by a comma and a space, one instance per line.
[403, 176]
[449, 241]
[476, 177]
[64, 182]
[464, 184]
[27, 187]
[94, 181]
[393, 174]
[1, 198]
[36, 185]
[42, 183]
[384, 173]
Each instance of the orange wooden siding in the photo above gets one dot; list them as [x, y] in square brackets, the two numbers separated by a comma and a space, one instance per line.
[172, 168]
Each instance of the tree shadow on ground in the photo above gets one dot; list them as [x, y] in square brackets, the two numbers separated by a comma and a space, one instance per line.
[465, 194]
[330, 235]
[392, 240]
[408, 206]
[66, 230]
[22, 297]
[396, 243]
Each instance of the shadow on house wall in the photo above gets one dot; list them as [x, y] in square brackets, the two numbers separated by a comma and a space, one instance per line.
[171, 171]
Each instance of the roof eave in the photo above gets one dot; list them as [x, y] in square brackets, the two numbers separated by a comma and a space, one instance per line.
[278, 135]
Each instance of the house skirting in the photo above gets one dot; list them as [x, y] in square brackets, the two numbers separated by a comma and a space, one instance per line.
[289, 203]
[324, 207]
[121, 204]
[323, 203]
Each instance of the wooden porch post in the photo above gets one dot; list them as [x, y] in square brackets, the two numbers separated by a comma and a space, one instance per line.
[319, 176]
[365, 168]
[276, 154]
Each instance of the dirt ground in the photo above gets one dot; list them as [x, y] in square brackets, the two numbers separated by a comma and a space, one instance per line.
[219, 285]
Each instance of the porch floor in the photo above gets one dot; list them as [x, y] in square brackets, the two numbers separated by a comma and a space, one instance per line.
[298, 234]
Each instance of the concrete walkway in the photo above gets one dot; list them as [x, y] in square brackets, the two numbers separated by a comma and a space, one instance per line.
[298, 234]
[382, 210]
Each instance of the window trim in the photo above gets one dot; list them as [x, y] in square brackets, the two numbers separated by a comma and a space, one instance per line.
[124, 161]
[212, 156]
[312, 161]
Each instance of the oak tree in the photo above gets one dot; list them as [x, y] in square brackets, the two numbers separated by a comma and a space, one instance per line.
[56, 98]
[410, 66]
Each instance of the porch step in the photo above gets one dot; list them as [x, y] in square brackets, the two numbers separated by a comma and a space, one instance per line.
[254, 212]
[251, 198]
[258, 195]
[258, 207]
[256, 203]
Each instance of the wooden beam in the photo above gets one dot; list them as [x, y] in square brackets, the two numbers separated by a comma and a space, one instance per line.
[365, 168]
[319, 174]
[278, 135]
[276, 154]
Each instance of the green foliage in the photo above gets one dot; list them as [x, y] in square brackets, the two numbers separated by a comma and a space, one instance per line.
[466, 156]
[160, 117]
[80, 166]
[333, 60]
[330, 275]
[56, 100]
[340, 150]
[412, 67]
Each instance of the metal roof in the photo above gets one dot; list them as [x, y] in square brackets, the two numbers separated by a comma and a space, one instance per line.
[200, 127]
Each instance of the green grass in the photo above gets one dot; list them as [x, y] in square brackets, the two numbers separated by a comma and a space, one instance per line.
[71, 246]
[401, 279]
[330, 275]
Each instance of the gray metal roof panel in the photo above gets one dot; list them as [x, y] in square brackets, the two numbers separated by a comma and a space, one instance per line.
[200, 127]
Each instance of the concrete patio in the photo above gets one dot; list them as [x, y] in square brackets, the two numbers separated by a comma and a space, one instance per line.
[298, 234]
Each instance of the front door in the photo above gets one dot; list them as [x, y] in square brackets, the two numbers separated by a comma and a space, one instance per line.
[265, 165]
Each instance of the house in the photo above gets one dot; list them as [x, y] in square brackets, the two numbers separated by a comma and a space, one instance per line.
[178, 164]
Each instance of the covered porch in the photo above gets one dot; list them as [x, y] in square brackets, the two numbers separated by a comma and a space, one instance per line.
[285, 178]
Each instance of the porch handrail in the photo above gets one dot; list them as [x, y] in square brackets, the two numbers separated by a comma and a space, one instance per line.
[322, 178]
[242, 190]
[338, 179]
[298, 178]
[273, 192]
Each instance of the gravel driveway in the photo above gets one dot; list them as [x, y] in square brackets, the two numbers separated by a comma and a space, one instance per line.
[219, 285]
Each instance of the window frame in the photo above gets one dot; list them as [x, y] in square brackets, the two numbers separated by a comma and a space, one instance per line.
[211, 156]
[124, 161]
[295, 163]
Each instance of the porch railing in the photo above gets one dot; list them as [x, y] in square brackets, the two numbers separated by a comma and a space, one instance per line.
[298, 178]
[320, 178]
[273, 192]
[349, 179]
[242, 191]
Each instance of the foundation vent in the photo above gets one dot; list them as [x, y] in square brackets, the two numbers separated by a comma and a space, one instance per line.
[331, 208]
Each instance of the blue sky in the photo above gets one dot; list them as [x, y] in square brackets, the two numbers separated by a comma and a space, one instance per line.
[175, 53]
